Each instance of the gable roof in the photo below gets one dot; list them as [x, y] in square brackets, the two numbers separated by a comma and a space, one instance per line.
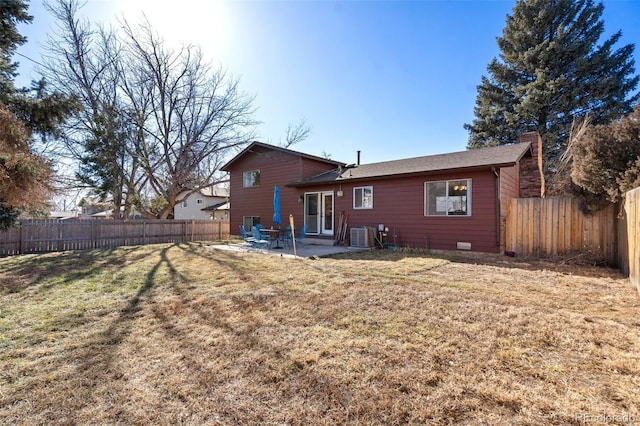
[252, 148]
[499, 156]
[224, 205]
[214, 191]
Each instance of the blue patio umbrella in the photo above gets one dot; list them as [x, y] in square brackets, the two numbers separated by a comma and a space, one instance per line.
[276, 205]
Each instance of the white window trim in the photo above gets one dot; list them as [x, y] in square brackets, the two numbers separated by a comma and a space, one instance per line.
[370, 187]
[244, 179]
[469, 200]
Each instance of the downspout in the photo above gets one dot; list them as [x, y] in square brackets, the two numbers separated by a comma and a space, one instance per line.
[498, 222]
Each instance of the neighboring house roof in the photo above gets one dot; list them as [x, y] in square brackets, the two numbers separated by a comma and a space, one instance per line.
[499, 156]
[210, 191]
[63, 215]
[214, 191]
[224, 205]
[254, 145]
[105, 213]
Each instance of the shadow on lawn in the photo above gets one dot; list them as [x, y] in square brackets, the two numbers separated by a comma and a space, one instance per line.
[177, 311]
[31, 270]
[98, 357]
[227, 260]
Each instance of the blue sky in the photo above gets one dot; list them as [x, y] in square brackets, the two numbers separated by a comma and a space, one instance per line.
[393, 79]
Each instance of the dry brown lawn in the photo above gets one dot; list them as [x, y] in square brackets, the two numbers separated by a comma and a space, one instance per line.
[183, 334]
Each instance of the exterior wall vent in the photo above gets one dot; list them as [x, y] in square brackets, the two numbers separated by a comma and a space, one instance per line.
[463, 246]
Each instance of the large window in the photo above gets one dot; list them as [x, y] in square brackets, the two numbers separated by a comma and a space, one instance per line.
[448, 198]
[251, 178]
[363, 197]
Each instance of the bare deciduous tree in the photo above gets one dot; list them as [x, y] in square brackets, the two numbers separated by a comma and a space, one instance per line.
[194, 115]
[83, 61]
[156, 123]
[296, 133]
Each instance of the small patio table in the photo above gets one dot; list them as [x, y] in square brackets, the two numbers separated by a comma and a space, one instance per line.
[274, 235]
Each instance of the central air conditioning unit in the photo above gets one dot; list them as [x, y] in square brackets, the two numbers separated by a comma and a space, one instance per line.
[359, 237]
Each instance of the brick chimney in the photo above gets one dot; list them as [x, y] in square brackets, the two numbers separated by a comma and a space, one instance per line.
[531, 174]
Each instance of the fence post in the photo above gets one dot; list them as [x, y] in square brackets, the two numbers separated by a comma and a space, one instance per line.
[60, 233]
[20, 236]
[93, 238]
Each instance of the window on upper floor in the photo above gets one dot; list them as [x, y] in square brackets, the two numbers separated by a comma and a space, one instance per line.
[363, 197]
[448, 198]
[251, 179]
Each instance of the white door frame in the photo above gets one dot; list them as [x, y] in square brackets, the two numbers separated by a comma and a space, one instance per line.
[318, 212]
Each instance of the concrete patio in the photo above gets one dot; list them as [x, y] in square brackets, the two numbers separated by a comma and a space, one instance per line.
[305, 251]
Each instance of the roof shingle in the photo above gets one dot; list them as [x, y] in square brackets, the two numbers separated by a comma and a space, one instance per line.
[499, 156]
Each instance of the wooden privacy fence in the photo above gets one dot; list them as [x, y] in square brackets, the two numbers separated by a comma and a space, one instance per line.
[557, 226]
[629, 237]
[41, 236]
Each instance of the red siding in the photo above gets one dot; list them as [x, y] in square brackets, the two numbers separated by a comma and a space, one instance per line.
[399, 205]
[276, 168]
[509, 184]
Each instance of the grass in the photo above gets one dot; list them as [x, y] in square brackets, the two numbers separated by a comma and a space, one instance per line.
[183, 334]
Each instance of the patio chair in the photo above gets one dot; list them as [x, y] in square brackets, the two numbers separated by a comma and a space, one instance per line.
[285, 235]
[262, 234]
[245, 236]
[258, 239]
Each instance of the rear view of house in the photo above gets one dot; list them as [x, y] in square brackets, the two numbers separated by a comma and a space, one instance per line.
[448, 201]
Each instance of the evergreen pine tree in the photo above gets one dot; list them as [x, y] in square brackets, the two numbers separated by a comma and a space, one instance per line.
[12, 13]
[550, 71]
[24, 175]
